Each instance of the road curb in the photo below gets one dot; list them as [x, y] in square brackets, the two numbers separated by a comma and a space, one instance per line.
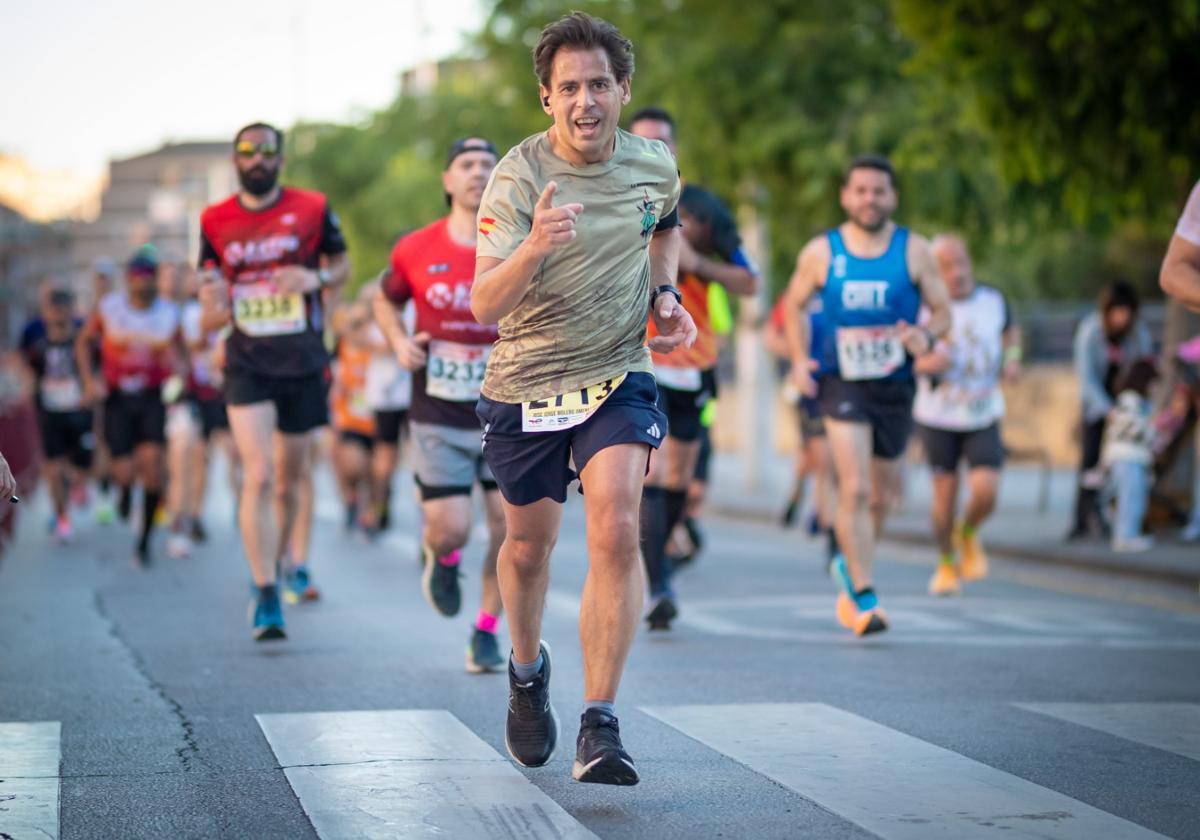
[1024, 553]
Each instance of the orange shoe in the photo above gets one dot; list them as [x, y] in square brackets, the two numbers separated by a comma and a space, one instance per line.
[944, 581]
[862, 622]
[847, 611]
[973, 562]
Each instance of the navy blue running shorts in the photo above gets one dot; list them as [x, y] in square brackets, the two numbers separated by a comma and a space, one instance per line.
[531, 466]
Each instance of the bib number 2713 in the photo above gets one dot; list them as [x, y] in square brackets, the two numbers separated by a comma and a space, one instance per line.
[564, 411]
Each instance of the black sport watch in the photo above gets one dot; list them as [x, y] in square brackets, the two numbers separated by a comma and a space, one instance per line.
[666, 288]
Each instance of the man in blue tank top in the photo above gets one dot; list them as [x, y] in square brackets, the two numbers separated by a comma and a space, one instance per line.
[872, 276]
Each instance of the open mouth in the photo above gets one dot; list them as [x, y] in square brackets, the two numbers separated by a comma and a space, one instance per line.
[587, 126]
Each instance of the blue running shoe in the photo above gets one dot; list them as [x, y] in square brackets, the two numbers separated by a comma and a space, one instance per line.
[267, 615]
[299, 587]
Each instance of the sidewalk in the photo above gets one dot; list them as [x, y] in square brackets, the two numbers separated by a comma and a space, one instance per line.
[1018, 529]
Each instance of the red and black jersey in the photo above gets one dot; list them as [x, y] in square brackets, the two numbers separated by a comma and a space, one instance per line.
[137, 345]
[272, 334]
[429, 268]
[57, 383]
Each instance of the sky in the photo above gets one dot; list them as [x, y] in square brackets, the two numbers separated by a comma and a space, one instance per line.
[90, 80]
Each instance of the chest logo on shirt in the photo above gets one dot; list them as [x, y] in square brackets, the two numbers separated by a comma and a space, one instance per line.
[864, 294]
[649, 215]
[288, 218]
[438, 268]
[263, 250]
[839, 266]
[446, 296]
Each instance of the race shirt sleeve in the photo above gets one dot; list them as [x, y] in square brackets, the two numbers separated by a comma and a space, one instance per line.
[505, 213]
[670, 217]
[1189, 223]
[332, 240]
[671, 220]
[741, 259]
[396, 286]
[207, 252]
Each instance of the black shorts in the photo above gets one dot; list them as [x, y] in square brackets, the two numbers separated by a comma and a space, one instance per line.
[683, 408]
[212, 416]
[389, 426]
[300, 401]
[812, 424]
[68, 434]
[530, 466]
[883, 404]
[131, 419]
[357, 438]
[946, 447]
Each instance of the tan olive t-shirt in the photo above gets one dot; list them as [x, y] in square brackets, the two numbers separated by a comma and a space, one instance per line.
[583, 319]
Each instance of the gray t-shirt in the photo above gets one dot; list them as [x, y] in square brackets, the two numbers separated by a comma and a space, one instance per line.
[583, 319]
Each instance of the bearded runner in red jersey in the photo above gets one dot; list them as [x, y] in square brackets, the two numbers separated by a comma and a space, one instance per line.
[276, 249]
[140, 344]
[435, 267]
[710, 252]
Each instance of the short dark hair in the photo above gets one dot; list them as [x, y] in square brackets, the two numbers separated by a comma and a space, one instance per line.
[262, 125]
[708, 209]
[656, 114]
[1140, 376]
[62, 298]
[579, 30]
[871, 161]
[1119, 293]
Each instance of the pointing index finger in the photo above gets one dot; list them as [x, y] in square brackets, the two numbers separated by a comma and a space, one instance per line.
[546, 200]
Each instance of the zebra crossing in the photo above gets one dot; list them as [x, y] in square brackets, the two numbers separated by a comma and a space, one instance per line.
[423, 773]
[29, 783]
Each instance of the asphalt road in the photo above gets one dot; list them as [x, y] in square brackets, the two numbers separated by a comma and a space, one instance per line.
[1037, 705]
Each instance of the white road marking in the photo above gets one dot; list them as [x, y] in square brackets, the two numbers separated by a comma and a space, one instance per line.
[1174, 727]
[411, 774]
[889, 783]
[29, 783]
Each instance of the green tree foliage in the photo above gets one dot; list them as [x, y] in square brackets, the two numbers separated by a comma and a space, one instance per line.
[773, 97]
[1092, 102]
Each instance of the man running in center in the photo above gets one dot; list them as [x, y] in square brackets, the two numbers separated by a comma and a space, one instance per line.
[872, 276]
[277, 249]
[710, 251]
[580, 240]
[448, 352]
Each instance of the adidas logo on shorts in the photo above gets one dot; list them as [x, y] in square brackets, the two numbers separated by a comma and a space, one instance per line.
[654, 431]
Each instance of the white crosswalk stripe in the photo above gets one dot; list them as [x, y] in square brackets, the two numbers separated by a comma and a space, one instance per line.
[410, 774]
[29, 784]
[1174, 727]
[889, 783]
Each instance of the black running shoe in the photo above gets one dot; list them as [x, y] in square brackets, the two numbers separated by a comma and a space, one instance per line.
[531, 731]
[199, 534]
[439, 582]
[662, 612]
[483, 652]
[788, 519]
[599, 756]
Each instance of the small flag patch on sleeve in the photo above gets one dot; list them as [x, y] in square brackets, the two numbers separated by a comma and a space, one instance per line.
[487, 225]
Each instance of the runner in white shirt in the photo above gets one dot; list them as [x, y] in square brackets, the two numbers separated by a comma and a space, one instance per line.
[958, 410]
[389, 395]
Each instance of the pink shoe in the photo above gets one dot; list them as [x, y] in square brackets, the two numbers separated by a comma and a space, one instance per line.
[63, 531]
